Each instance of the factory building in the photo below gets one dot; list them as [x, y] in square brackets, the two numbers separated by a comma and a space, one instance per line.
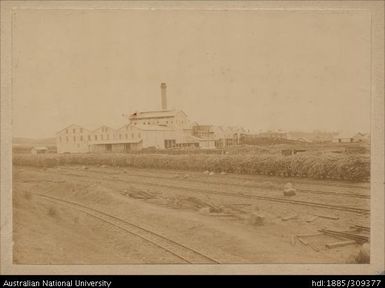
[163, 129]
[107, 139]
[73, 139]
[217, 136]
[166, 118]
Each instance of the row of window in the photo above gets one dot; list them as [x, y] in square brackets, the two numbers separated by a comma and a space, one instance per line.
[100, 137]
[74, 130]
[104, 130]
[120, 136]
[68, 139]
[162, 122]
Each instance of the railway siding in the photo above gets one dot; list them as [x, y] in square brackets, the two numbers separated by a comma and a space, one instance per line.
[186, 254]
[328, 206]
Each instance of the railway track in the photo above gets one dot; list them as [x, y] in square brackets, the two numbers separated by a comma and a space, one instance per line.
[238, 195]
[178, 250]
[300, 190]
[330, 183]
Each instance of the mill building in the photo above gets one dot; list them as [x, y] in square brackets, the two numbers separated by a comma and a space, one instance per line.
[163, 129]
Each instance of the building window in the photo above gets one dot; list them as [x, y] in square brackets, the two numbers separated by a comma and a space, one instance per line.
[126, 136]
[101, 136]
[96, 137]
[74, 131]
[81, 138]
[81, 130]
[132, 135]
[89, 138]
[67, 138]
[74, 138]
[108, 136]
[66, 131]
[138, 135]
[60, 139]
[120, 136]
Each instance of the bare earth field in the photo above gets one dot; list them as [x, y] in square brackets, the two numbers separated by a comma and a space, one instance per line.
[111, 215]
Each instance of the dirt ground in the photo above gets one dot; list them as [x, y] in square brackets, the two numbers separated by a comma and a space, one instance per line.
[220, 216]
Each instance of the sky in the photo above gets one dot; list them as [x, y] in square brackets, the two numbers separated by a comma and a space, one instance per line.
[262, 70]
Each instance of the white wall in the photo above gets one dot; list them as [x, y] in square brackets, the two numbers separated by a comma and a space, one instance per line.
[155, 138]
[73, 139]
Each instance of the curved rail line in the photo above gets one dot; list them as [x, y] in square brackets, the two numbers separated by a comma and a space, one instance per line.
[300, 190]
[189, 255]
[239, 195]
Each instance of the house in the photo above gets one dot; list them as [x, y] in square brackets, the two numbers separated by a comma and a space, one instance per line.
[39, 150]
[361, 138]
[343, 137]
[350, 138]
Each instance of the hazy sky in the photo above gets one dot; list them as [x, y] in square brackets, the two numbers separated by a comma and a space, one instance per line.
[257, 69]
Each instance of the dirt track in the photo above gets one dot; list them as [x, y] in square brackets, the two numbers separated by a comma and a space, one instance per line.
[206, 214]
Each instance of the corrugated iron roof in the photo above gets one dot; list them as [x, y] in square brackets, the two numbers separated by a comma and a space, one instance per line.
[72, 126]
[103, 126]
[188, 139]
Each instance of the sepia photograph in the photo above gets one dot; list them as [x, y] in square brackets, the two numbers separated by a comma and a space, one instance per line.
[208, 133]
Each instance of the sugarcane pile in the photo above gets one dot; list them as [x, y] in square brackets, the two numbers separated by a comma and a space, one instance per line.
[353, 167]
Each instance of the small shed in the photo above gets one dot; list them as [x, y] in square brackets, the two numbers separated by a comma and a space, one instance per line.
[343, 137]
[39, 150]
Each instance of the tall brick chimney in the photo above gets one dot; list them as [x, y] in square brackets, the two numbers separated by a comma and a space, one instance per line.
[163, 94]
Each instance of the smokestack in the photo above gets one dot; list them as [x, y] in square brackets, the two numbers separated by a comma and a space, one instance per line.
[163, 93]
